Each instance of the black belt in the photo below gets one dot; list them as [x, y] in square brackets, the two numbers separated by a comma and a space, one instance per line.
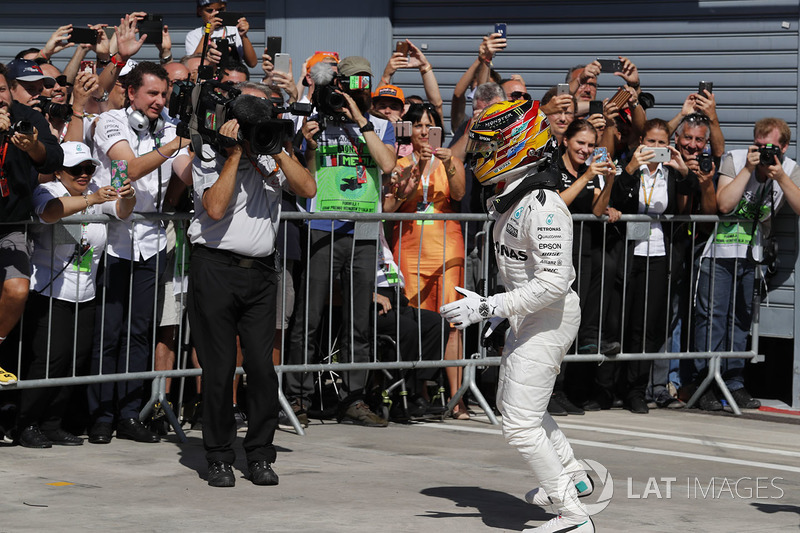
[233, 259]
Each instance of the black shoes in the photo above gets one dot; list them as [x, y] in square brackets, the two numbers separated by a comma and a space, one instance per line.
[568, 406]
[100, 433]
[32, 437]
[555, 408]
[61, 437]
[744, 400]
[220, 474]
[132, 429]
[708, 402]
[638, 405]
[261, 473]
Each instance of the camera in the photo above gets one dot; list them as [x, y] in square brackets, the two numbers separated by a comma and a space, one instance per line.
[204, 107]
[705, 161]
[329, 103]
[21, 126]
[768, 154]
[54, 110]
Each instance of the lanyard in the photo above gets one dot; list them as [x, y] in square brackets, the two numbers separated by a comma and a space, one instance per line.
[647, 199]
[425, 179]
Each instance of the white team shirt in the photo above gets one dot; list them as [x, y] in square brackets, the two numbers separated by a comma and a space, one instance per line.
[194, 37]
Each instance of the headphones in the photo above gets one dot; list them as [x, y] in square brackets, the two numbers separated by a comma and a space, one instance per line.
[139, 121]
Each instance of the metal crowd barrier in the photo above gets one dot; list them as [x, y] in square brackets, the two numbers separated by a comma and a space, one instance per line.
[470, 361]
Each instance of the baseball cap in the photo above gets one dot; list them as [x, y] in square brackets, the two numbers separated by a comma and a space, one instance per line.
[128, 67]
[25, 70]
[330, 57]
[353, 65]
[390, 91]
[76, 153]
[204, 3]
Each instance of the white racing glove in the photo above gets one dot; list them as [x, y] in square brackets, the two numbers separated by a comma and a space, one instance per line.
[471, 309]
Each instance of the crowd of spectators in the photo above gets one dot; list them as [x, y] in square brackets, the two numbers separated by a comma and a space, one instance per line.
[371, 147]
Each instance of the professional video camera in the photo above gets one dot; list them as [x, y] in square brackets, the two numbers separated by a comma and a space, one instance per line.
[204, 107]
[327, 98]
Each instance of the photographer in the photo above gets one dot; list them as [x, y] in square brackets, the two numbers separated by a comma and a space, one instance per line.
[234, 283]
[140, 141]
[235, 37]
[26, 146]
[753, 184]
[347, 155]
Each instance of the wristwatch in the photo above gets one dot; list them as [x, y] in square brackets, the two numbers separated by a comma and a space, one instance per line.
[103, 98]
[369, 126]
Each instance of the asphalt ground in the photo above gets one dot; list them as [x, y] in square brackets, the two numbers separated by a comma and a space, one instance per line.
[670, 471]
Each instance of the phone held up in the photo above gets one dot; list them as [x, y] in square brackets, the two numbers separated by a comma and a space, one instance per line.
[273, 47]
[281, 62]
[500, 28]
[435, 137]
[705, 86]
[610, 65]
[660, 154]
[600, 154]
[595, 107]
[563, 88]
[402, 131]
[402, 47]
[83, 36]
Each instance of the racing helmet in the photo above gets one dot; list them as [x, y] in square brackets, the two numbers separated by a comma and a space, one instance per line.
[507, 139]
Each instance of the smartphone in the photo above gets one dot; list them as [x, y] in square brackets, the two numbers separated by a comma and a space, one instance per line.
[596, 107]
[707, 86]
[435, 137]
[563, 88]
[500, 28]
[610, 65]
[355, 83]
[600, 154]
[230, 18]
[661, 154]
[87, 66]
[83, 35]
[620, 97]
[152, 26]
[273, 46]
[402, 47]
[281, 63]
[402, 131]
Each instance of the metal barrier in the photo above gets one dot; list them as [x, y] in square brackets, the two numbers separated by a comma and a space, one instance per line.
[326, 361]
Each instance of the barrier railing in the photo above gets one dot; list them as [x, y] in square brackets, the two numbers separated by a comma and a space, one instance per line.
[327, 358]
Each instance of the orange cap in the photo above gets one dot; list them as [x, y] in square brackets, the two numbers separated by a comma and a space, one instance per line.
[331, 57]
[389, 91]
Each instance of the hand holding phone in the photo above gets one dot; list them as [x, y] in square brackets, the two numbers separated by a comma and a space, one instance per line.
[595, 107]
[600, 154]
[705, 86]
[500, 28]
[273, 47]
[660, 154]
[82, 36]
[402, 47]
[230, 18]
[435, 137]
[563, 88]
[281, 62]
[610, 65]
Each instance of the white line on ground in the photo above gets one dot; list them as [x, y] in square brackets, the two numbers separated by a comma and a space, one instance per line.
[638, 449]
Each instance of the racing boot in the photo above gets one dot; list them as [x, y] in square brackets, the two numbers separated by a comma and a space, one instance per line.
[583, 485]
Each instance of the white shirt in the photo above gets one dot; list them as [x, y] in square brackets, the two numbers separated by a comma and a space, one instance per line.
[148, 237]
[194, 37]
[250, 224]
[74, 276]
[653, 200]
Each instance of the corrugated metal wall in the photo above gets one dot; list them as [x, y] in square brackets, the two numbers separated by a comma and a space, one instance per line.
[748, 48]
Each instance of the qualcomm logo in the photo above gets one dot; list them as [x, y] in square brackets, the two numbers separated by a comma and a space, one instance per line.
[602, 480]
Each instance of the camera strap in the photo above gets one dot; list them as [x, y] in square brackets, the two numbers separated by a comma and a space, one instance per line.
[157, 141]
[4, 190]
[361, 168]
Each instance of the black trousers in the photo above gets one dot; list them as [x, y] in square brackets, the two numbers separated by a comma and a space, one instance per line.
[46, 406]
[355, 261]
[225, 300]
[123, 282]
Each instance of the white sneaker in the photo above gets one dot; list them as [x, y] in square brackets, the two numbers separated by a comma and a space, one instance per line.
[583, 484]
[562, 524]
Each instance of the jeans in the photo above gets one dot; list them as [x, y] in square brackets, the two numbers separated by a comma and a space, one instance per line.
[723, 313]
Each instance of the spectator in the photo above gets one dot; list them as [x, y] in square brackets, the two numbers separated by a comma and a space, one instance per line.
[22, 153]
[430, 252]
[388, 102]
[346, 183]
[141, 136]
[514, 88]
[476, 75]
[746, 188]
[415, 59]
[652, 188]
[560, 118]
[63, 290]
[234, 72]
[235, 37]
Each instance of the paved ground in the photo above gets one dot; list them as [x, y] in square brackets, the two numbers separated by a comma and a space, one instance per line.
[452, 476]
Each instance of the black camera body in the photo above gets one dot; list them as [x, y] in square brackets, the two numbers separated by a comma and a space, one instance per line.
[330, 103]
[706, 162]
[768, 154]
[54, 110]
[21, 126]
[204, 107]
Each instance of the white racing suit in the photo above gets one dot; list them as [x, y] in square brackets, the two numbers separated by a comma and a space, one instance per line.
[533, 246]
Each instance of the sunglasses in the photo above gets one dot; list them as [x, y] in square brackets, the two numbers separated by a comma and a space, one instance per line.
[519, 95]
[80, 170]
[59, 80]
[696, 117]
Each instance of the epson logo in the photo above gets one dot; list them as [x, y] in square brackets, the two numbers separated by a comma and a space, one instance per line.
[549, 245]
